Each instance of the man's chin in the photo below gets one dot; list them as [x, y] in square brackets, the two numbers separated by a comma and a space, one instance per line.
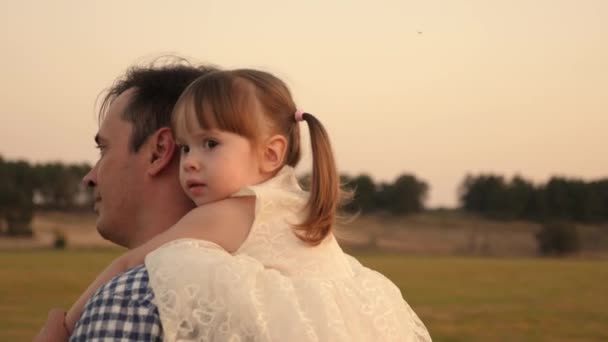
[106, 231]
[103, 232]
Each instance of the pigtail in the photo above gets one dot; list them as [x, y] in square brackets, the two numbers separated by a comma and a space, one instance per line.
[324, 186]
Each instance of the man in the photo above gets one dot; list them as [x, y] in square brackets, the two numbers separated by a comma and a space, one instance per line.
[137, 196]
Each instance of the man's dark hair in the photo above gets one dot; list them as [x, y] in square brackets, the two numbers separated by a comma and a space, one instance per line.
[157, 89]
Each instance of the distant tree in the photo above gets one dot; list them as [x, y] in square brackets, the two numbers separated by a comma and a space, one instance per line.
[346, 182]
[365, 197]
[597, 201]
[485, 194]
[559, 199]
[520, 195]
[16, 192]
[566, 199]
[59, 184]
[406, 195]
[537, 209]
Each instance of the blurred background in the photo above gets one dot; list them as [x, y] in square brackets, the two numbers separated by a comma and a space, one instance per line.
[472, 132]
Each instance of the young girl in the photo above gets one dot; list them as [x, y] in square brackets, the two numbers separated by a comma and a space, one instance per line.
[257, 260]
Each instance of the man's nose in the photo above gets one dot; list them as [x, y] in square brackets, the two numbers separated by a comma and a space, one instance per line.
[90, 179]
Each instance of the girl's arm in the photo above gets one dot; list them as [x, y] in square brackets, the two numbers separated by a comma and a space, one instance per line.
[118, 266]
[54, 328]
[225, 223]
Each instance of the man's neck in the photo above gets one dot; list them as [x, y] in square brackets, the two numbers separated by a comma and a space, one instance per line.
[161, 211]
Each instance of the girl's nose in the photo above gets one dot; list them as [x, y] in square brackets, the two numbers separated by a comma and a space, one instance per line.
[190, 163]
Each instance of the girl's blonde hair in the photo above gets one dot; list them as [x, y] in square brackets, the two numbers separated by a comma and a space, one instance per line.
[254, 104]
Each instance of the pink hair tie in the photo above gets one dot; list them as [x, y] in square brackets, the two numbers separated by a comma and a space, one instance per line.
[298, 115]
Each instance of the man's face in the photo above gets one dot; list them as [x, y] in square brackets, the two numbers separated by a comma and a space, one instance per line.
[116, 177]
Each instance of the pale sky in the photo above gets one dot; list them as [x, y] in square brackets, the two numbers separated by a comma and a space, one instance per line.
[508, 87]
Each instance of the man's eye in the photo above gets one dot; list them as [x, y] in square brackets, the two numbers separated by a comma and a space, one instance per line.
[210, 144]
[101, 148]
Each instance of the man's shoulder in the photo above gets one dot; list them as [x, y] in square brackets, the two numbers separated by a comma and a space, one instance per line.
[133, 284]
[121, 309]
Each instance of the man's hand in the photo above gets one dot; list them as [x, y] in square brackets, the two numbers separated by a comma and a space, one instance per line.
[54, 329]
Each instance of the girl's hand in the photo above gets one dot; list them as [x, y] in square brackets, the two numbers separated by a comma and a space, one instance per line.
[54, 329]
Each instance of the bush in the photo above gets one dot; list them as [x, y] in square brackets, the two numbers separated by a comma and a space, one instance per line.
[558, 238]
[61, 241]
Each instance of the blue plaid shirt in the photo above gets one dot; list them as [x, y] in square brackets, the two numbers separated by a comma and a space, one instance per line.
[121, 310]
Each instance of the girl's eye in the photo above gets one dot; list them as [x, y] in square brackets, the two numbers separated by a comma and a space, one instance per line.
[184, 149]
[210, 144]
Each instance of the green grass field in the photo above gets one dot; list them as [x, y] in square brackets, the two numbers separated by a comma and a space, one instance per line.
[459, 299]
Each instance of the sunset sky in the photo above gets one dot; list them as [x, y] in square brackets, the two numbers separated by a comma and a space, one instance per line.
[438, 89]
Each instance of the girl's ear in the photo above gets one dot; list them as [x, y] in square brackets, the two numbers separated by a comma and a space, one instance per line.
[273, 154]
[161, 147]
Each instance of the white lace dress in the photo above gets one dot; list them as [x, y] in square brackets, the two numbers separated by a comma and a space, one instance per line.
[275, 287]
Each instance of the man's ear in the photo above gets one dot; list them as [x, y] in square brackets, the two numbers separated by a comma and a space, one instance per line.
[273, 154]
[161, 149]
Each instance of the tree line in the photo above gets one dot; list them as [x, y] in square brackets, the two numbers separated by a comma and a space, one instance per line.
[559, 199]
[25, 187]
[406, 195]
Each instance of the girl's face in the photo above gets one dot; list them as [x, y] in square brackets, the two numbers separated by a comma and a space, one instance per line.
[215, 164]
